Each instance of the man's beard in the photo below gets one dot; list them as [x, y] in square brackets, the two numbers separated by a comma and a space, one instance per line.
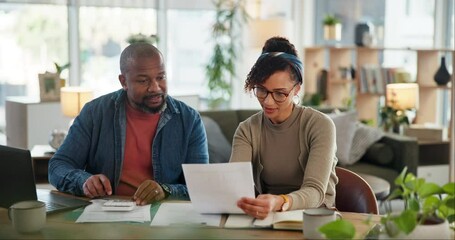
[153, 110]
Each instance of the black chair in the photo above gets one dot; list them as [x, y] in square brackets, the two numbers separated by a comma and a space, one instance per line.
[354, 194]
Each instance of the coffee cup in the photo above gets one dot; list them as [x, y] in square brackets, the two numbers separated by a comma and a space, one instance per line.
[314, 218]
[28, 216]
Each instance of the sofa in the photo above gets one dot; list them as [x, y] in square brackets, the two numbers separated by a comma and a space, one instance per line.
[385, 156]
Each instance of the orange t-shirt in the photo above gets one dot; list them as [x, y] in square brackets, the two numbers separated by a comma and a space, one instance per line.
[137, 162]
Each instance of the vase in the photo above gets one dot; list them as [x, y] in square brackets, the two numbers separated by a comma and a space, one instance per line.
[442, 75]
[430, 230]
[332, 32]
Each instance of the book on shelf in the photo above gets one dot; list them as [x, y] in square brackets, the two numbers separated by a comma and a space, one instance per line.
[372, 79]
[289, 220]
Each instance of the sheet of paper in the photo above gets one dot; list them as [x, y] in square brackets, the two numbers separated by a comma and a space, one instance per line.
[239, 221]
[266, 222]
[216, 188]
[95, 213]
[183, 214]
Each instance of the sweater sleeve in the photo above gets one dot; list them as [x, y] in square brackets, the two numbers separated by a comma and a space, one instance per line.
[318, 139]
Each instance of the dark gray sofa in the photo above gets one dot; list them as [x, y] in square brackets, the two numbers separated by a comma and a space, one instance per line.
[400, 150]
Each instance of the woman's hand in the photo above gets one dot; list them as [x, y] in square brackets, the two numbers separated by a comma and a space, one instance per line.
[261, 206]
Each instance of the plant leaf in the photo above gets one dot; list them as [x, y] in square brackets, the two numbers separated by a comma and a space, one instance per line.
[406, 221]
[449, 188]
[428, 189]
[339, 229]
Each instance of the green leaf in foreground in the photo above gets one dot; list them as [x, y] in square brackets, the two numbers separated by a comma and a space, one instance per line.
[339, 229]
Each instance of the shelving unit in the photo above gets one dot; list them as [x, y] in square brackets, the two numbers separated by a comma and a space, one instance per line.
[339, 89]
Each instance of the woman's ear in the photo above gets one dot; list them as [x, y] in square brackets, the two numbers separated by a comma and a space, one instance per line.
[297, 89]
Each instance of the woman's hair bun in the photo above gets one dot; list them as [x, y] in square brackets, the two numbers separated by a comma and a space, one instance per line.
[279, 44]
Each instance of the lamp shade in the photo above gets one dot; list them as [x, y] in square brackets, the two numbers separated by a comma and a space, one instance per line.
[72, 99]
[403, 95]
[262, 29]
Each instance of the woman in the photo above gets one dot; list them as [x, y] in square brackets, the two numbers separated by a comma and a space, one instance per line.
[291, 147]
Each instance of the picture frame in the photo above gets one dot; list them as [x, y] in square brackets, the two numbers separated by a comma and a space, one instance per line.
[49, 85]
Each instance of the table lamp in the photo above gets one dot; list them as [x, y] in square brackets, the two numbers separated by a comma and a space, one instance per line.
[403, 96]
[402, 100]
[72, 99]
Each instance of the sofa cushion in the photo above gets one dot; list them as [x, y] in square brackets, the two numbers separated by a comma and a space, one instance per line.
[379, 154]
[364, 137]
[345, 130]
[219, 147]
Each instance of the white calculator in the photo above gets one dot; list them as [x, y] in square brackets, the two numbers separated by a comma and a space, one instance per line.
[118, 205]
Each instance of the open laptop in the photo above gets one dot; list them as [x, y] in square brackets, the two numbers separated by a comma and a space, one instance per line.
[17, 183]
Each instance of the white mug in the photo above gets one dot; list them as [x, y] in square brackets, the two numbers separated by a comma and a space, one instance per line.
[314, 218]
[28, 216]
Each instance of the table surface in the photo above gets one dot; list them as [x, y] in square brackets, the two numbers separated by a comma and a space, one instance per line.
[62, 226]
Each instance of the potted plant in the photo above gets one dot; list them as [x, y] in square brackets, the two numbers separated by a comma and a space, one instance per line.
[59, 69]
[332, 27]
[426, 205]
[220, 70]
[139, 37]
[393, 119]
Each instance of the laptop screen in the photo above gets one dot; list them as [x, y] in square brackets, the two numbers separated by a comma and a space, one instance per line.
[17, 182]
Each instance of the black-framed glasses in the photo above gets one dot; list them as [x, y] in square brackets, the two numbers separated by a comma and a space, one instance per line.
[261, 93]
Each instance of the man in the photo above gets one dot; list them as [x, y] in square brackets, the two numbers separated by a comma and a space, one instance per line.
[133, 141]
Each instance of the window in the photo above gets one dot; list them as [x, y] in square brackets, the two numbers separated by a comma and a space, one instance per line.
[103, 35]
[189, 47]
[32, 38]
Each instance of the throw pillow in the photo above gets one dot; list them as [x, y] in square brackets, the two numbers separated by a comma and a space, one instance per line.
[364, 137]
[345, 130]
[219, 147]
[379, 154]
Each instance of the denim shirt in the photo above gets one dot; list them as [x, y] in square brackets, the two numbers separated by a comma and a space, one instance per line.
[95, 144]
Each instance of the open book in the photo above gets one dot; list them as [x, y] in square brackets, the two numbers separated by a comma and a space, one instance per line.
[289, 220]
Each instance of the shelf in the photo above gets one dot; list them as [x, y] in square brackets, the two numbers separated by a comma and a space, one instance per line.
[368, 100]
[434, 86]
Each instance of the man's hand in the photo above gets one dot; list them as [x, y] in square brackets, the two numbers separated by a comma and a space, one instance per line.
[149, 191]
[97, 186]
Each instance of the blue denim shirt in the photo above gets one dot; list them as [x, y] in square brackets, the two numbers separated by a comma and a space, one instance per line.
[95, 144]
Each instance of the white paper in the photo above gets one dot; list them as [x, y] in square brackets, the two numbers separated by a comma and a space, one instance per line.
[95, 213]
[239, 221]
[183, 214]
[216, 188]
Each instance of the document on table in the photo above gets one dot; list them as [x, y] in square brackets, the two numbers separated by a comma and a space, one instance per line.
[95, 213]
[183, 214]
[216, 188]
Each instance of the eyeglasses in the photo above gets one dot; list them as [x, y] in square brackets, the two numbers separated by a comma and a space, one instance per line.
[261, 93]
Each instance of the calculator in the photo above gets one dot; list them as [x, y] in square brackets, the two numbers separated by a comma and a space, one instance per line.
[118, 205]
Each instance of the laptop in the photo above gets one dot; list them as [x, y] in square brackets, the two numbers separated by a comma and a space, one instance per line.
[17, 183]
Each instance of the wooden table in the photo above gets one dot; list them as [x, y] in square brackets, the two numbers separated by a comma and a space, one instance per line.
[62, 226]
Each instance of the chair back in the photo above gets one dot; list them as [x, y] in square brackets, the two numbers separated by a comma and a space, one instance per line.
[354, 194]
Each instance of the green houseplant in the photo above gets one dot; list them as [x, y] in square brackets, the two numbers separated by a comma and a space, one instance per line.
[59, 69]
[330, 20]
[139, 37]
[220, 71]
[425, 203]
[332, 27]
[393, 119]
